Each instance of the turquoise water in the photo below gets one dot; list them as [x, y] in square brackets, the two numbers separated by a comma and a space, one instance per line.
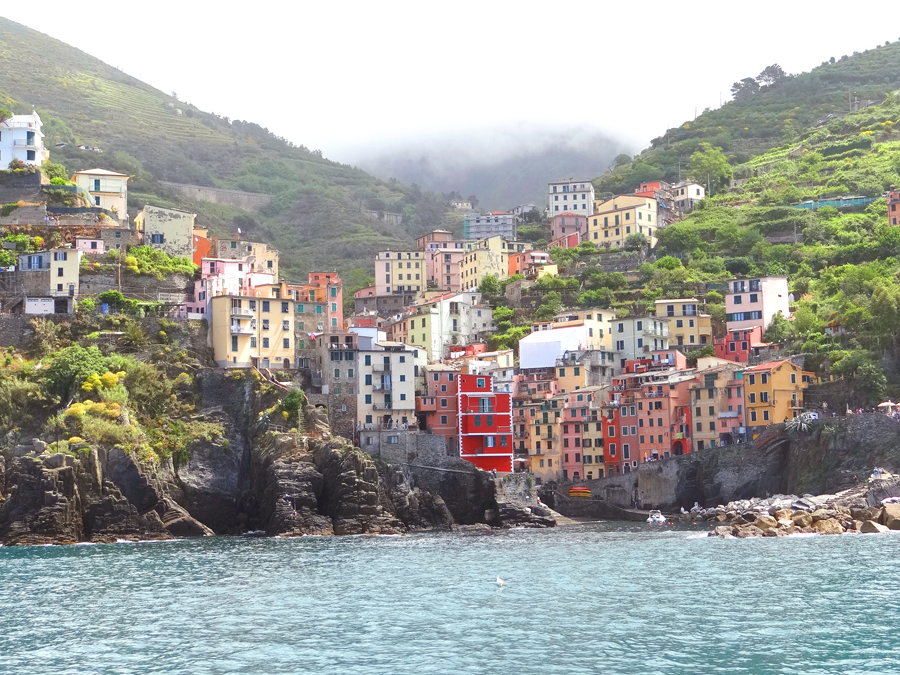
[588, 598]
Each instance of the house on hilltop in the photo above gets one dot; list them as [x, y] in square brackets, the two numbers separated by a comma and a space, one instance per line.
[21, 138]
[108, 190]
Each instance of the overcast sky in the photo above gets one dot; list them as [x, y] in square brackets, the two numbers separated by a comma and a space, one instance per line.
[357, 78]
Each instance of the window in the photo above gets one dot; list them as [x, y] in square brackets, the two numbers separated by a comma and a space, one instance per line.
[337, 372]
[285, 308]
[753, 379]
[265, 324]
[286, 343]
[479, 382]
[234, 343]
[265, 343]
[443, 403]
[285, 325]
[368, 398]
[367, 360]
[765, 415]
[156, 239]
[752, 415]
[764, 397]
[737, 300]
[265, 305]
[764, 379]
[253, 342]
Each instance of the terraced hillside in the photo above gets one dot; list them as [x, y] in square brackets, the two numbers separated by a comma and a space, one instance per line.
[318, 215]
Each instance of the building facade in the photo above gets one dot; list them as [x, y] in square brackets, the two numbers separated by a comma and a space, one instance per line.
[108, 190]
[21, 138]
[615, 219]
[492, 224]
[753, 302]
[576, 196]
[168, 230]
[485, 424]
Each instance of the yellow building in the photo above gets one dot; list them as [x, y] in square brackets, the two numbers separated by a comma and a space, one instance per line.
[248, 332]
[544, 445]
[616, 218]
[400, 272]
[774, 392]
[108, 189]
[489, 257]
[386, 385]
[717, 403]
[687, 326]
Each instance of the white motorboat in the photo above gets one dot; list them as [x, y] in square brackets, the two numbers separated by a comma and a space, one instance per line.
[656, 518]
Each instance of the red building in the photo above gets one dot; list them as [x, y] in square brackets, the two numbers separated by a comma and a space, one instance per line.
[737, 345]
[567, 241]
[485, 424]
[437, 410]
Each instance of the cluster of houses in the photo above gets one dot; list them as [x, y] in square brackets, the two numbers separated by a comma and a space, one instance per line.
[590, 395]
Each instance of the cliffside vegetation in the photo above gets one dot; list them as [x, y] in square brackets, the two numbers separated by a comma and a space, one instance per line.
[318, 213]
[777, 108]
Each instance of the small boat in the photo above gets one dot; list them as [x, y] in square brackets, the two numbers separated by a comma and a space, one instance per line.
[580, 492]
[656, 518]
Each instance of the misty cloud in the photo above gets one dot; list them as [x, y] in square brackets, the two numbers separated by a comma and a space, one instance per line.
[503, 167]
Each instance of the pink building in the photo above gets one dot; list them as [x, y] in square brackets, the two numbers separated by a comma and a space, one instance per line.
[572, 425]
[223, 276]
[442, 267]
[567, 223]
[753, 302]
[90, 246]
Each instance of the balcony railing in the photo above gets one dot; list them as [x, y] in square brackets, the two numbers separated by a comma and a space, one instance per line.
[381, 367]
[241, 311]
[243, 330]
[22, 143]
[382, 387]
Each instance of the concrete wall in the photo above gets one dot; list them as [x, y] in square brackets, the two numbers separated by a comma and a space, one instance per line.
[248, 201]
[139, 287]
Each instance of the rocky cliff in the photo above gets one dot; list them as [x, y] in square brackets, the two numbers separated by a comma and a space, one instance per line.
[252, 478]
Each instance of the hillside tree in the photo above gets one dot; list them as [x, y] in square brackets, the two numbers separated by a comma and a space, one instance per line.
[709, 165]
[743, 90]
[771, 75]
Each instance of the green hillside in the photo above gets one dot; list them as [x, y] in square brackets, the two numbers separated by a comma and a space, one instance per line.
[316, 217]
[778, 112]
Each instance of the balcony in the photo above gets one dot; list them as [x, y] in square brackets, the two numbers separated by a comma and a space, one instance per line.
[382, 387]
[381, 367]
[237, 329]
[22, 143]
[659, 332]
[241, 311]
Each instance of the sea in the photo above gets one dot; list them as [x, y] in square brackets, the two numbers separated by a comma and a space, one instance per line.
[585, 598]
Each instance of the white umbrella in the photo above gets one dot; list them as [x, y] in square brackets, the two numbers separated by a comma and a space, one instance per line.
[887, 404]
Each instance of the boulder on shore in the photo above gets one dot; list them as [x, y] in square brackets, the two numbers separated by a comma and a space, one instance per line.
[871, 527]
[802, 519]
[828, 526]
[890, 516]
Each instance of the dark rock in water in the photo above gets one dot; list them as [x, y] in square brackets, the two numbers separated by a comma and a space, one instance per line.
[882, 489]
[417, 509]
[352, 495]
[744, 531]
[178, 522]
[43, 505]
[288, 488]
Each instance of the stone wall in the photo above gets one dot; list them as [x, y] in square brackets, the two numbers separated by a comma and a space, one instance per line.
[248, 201]
[140, 287]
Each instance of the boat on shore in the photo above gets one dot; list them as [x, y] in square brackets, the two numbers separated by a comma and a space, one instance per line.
[656, 518]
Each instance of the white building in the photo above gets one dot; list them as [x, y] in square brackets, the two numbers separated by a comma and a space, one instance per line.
[542, 348]
[21, 138]
[636, 337]
[574, 196]
[686, 195]
[386, 385]
[108, 189]
[753, 302]
[492, 224]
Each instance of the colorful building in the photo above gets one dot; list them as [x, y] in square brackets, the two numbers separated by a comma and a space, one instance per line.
[108, 190]
[753, 302]
[739, 345]
[688, 328]
[397, 272]
[774, 392]
[485, 424]
[567, 223]
[617, 218]
[570, 196]
[718, 403]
